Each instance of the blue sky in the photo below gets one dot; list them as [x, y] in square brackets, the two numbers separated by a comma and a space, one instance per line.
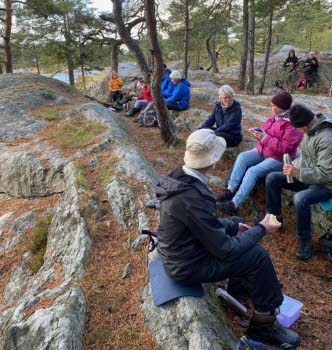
[102, 5]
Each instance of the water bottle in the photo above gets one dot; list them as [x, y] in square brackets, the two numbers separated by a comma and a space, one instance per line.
[287, 160]
[222, 293]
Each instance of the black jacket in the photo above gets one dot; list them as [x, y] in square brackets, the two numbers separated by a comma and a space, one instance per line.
[190, 235]
[226, 119]
[311, 65]
[293, 59]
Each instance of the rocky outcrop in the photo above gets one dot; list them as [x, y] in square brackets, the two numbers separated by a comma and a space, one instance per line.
[188, 323]
[274, 71]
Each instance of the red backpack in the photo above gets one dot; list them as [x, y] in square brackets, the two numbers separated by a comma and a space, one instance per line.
[301, 83]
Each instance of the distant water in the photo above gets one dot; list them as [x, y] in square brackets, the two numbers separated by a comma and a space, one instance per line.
[63, 76]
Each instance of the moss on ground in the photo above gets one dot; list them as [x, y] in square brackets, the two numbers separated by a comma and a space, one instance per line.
[38, 242]
[50, 113]
[76, 132]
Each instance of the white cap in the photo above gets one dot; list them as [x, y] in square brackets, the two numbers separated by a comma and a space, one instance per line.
[311, 53]
[203, 148]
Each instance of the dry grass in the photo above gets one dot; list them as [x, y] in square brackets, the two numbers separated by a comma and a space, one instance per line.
[75, 132]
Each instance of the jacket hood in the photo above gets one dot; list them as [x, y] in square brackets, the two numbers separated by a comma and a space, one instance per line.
[291, 52]
[323, 122]
[185, 81]
[176, 182]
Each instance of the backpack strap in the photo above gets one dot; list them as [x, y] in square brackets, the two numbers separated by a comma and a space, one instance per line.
[153, 242]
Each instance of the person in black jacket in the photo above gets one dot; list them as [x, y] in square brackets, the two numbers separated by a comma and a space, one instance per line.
[311, 70]
[227, 115]
[197, 247]
[291, 61]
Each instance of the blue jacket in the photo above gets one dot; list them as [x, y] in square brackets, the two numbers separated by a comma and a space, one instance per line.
[226, 119]
[181, 94]
[166, 84]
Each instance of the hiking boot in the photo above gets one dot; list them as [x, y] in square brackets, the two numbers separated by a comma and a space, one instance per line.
[266, 329]
[227, 195]
[304, 249]
[131, 112]
[227, 207]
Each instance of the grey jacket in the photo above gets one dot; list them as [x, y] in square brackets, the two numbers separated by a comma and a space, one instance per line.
[315, 163]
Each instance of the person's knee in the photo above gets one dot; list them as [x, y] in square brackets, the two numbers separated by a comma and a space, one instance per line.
[299, 199]
[272, 179]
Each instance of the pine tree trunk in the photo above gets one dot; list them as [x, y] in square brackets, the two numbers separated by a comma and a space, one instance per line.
[69, 55]
[36, 58]
[132, 44]
[251, 73]
[115, 57]
[214, 55]
[166, 130]
[244, 56]
[198, 56]
[186, 39]
[7, 36]
[268, 50]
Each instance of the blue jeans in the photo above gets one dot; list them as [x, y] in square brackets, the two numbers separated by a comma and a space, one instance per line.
[174, 106]
[140, 103]
[249, 167]
[306, 196]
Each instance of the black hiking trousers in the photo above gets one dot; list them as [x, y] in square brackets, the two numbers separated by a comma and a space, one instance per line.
[251, 274]
[231, 140]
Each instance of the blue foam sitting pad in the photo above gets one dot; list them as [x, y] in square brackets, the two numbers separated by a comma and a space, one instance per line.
[164, 289]
[327, 205]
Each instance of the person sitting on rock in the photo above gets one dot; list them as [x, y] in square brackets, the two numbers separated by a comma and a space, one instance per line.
[291, 63]
[312, 172]
[115, 86]
[226, 117]
[167, 86]
[311, 70]
[197, 247]
[275, 137]
[180, 98]
[142, 100]
[135, 88]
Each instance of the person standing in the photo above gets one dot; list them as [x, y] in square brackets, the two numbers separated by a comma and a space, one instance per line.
[312, 172]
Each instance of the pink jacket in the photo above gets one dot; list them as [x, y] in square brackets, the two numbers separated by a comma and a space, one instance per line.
[281, 137]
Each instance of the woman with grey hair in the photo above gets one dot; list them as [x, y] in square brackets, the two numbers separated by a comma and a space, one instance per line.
[226, 117]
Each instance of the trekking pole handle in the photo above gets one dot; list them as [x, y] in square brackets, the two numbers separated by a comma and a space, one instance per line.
[287, 160]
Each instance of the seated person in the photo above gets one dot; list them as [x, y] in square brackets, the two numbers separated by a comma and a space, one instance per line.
[134, 89]
[311, 70]
[291, 61]
[197, 247]
[166, 84]
[115, 86]
[180, 98]
[227, 115]
[141, 101]
[275, 137]
[312, 173]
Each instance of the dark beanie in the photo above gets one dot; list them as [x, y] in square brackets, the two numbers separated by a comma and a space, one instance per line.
[300, 116]
[283, 100]
[165, 65]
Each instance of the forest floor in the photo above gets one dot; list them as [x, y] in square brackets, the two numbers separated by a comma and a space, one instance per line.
[309, 282]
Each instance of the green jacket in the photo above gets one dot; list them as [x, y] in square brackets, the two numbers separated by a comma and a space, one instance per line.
[315, 163]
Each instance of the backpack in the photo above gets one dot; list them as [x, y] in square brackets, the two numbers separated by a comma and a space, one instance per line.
[149, 117]
[301, 84]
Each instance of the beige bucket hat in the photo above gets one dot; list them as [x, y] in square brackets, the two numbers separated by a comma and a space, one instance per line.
[203, 148]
